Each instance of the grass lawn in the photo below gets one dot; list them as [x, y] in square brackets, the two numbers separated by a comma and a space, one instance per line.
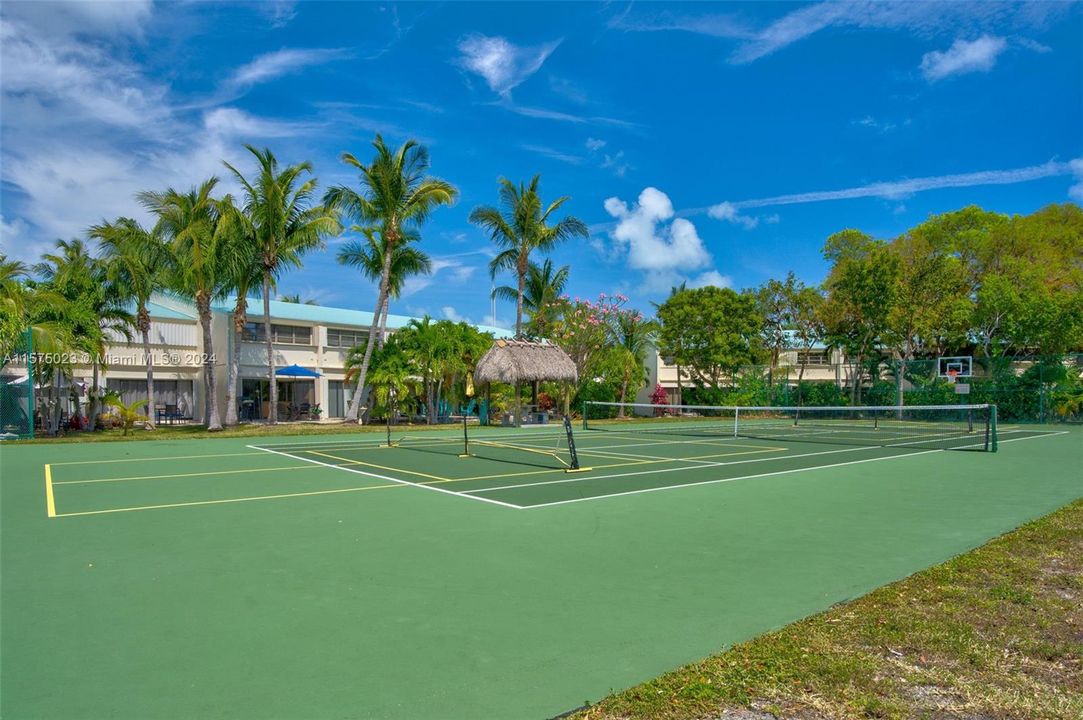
[994, 633]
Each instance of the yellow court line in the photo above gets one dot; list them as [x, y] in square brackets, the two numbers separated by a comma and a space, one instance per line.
[229, 500]
[154, 458]
[381, 467]
[50, 504]
[179, 475]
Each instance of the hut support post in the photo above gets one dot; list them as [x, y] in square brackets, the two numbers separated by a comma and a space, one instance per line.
[518, 405]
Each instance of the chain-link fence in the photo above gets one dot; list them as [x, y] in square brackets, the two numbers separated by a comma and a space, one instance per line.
[17, 393]
[1024, 388]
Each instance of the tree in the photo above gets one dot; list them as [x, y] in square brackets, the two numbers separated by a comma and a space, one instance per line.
[83, 280]
[189, 221]
[296, 299]
[285, 225]
[632, 335]
[368, 256]
[807, 322]
[519, 227]
[710, 331]
[396, 197]
[241, 272]
[541, 295]
[128, 414]
[673, 290]
[862, 287]
[136, 259]
[774, 302]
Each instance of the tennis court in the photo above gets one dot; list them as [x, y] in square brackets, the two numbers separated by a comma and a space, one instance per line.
[532, 468]
[450, 576]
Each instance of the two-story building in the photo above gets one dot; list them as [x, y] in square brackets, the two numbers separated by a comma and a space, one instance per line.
[312, 337]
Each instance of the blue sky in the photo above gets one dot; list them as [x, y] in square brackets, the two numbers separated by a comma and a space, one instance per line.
[713, 143]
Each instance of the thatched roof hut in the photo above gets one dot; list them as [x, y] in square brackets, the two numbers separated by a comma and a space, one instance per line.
[522, 361]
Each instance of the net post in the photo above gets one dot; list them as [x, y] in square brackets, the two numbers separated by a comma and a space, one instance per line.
[991, 429]
[736, 415]
[466, 439]
[584, 411]
[573, 456]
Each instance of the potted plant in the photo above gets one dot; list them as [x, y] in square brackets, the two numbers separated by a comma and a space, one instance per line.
[316, 411]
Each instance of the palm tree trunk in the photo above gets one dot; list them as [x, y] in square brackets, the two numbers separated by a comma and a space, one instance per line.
[519, 301]
[383, 320]
[214, 422]
[92, 402]
[144, 329]
[272, 415]
[55, 423]
[381, 298]
[239, 318]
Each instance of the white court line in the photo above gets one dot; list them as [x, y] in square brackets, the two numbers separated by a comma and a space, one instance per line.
[780, 472]
[720, 463]
[388, 478]
[722, 480]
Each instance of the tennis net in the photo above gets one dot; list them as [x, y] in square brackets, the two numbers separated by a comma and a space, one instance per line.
[940, 427]
[552, 450]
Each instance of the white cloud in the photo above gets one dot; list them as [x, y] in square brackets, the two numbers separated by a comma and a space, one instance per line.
[452, 314]
[283, 62]
[895, 189]
[70, 18]
[651, 240]
[1076, 190]
[728, 211]
[594, 144]
[502, 64]
[963, 57]
[451, 267]
[493, 321]
[711, 277]
[616, 164]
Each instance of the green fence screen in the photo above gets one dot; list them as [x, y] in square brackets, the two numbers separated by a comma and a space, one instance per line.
[17, 392]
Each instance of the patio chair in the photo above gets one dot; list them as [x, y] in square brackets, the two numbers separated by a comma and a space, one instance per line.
[305, 412]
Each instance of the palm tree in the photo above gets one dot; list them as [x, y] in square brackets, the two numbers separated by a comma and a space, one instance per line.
[83, 279]
[285, 227]
[189, 221]
[12, 302]
[135, 258]
[242, 270]
[543, 288]
[520, 227]
[675, 290]
[396, 197]
[295, 298]
[632, 335]
[368, 256]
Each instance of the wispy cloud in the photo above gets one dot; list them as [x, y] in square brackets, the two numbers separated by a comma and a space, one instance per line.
[283, 62]
[553, 153]
[502, 64]
[896, 189]
[728, 211]
[922, 19]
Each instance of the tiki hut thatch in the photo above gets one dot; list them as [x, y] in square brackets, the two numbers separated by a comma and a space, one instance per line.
[519, 361]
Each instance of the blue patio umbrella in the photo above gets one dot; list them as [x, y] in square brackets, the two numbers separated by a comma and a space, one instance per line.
[296, 371]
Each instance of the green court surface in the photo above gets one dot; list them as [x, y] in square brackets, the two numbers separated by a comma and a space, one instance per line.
[328, 576]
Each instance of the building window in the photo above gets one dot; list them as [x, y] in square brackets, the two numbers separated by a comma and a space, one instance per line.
[338, 338]
[813, 357]
[282, 334]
